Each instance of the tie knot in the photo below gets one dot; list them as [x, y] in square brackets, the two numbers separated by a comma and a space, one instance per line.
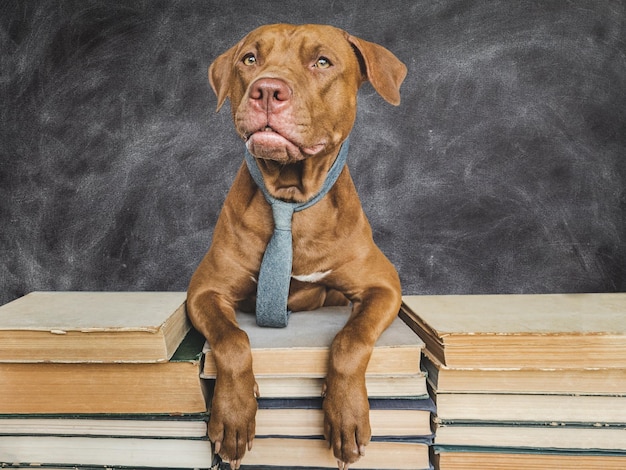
[283, 213]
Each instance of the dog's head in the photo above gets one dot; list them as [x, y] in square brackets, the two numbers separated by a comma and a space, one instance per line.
[293, 88]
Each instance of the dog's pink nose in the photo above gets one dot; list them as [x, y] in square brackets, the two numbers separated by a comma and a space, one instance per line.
[270, 94]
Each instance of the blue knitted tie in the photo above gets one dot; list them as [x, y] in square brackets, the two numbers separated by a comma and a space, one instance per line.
[275, 272]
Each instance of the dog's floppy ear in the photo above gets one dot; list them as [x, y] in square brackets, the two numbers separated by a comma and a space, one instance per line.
[220, 74]
[383, 69]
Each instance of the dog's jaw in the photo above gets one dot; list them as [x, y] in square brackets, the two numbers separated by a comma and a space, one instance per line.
[289, 167]
[268, 144]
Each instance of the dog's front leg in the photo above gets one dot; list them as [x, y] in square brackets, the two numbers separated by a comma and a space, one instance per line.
[234, 406]
[346, 408]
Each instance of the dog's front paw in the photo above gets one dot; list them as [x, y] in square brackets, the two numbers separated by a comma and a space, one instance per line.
[232, 421]
[346, 419]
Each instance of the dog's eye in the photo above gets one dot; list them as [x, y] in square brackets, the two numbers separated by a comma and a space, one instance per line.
[249, 59]
[322, 63]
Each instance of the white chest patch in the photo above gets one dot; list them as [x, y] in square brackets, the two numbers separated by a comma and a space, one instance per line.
[313, 277]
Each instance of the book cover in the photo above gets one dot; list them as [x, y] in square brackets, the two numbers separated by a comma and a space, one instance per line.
[389, 418]
[46, 451]
[472, 458]
[515, 408]
[378, 386]
[61, 388]
[528, 331]
[179, 426]
[301, 349]
[445, 379]
[93, 327]
[315, 453]
[533, 438]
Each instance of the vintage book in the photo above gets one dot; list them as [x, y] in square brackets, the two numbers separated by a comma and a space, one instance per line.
[378, 386]
[389, 418]
[546, 381]
[531, 408]
[301, 349]
[181, 426]
[480, 459]
[555, 438]
[105, 451]
[560, 331]
[170, 387]
[315, 453]
[92, 327]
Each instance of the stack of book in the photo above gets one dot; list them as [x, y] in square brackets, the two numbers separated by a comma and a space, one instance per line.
[101, 380]
[525, 381]
[290, 365]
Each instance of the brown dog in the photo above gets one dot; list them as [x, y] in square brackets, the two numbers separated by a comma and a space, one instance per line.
[293, 99]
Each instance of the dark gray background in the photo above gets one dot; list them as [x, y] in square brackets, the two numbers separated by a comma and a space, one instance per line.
[503, 170]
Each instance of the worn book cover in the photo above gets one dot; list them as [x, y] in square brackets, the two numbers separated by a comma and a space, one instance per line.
[93, 327]
[171, 387]
[176, 426]
[389, 418]
[105, 452]
[594, 381]
[516, 408]
[494, 438]
[521, 331]
[471, 458]
[301, 349]
[378, 386]
[315, 453]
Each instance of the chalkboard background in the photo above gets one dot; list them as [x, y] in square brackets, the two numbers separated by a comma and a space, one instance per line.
[503, 170]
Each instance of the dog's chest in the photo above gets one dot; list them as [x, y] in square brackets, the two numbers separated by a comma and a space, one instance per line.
[312, 277]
